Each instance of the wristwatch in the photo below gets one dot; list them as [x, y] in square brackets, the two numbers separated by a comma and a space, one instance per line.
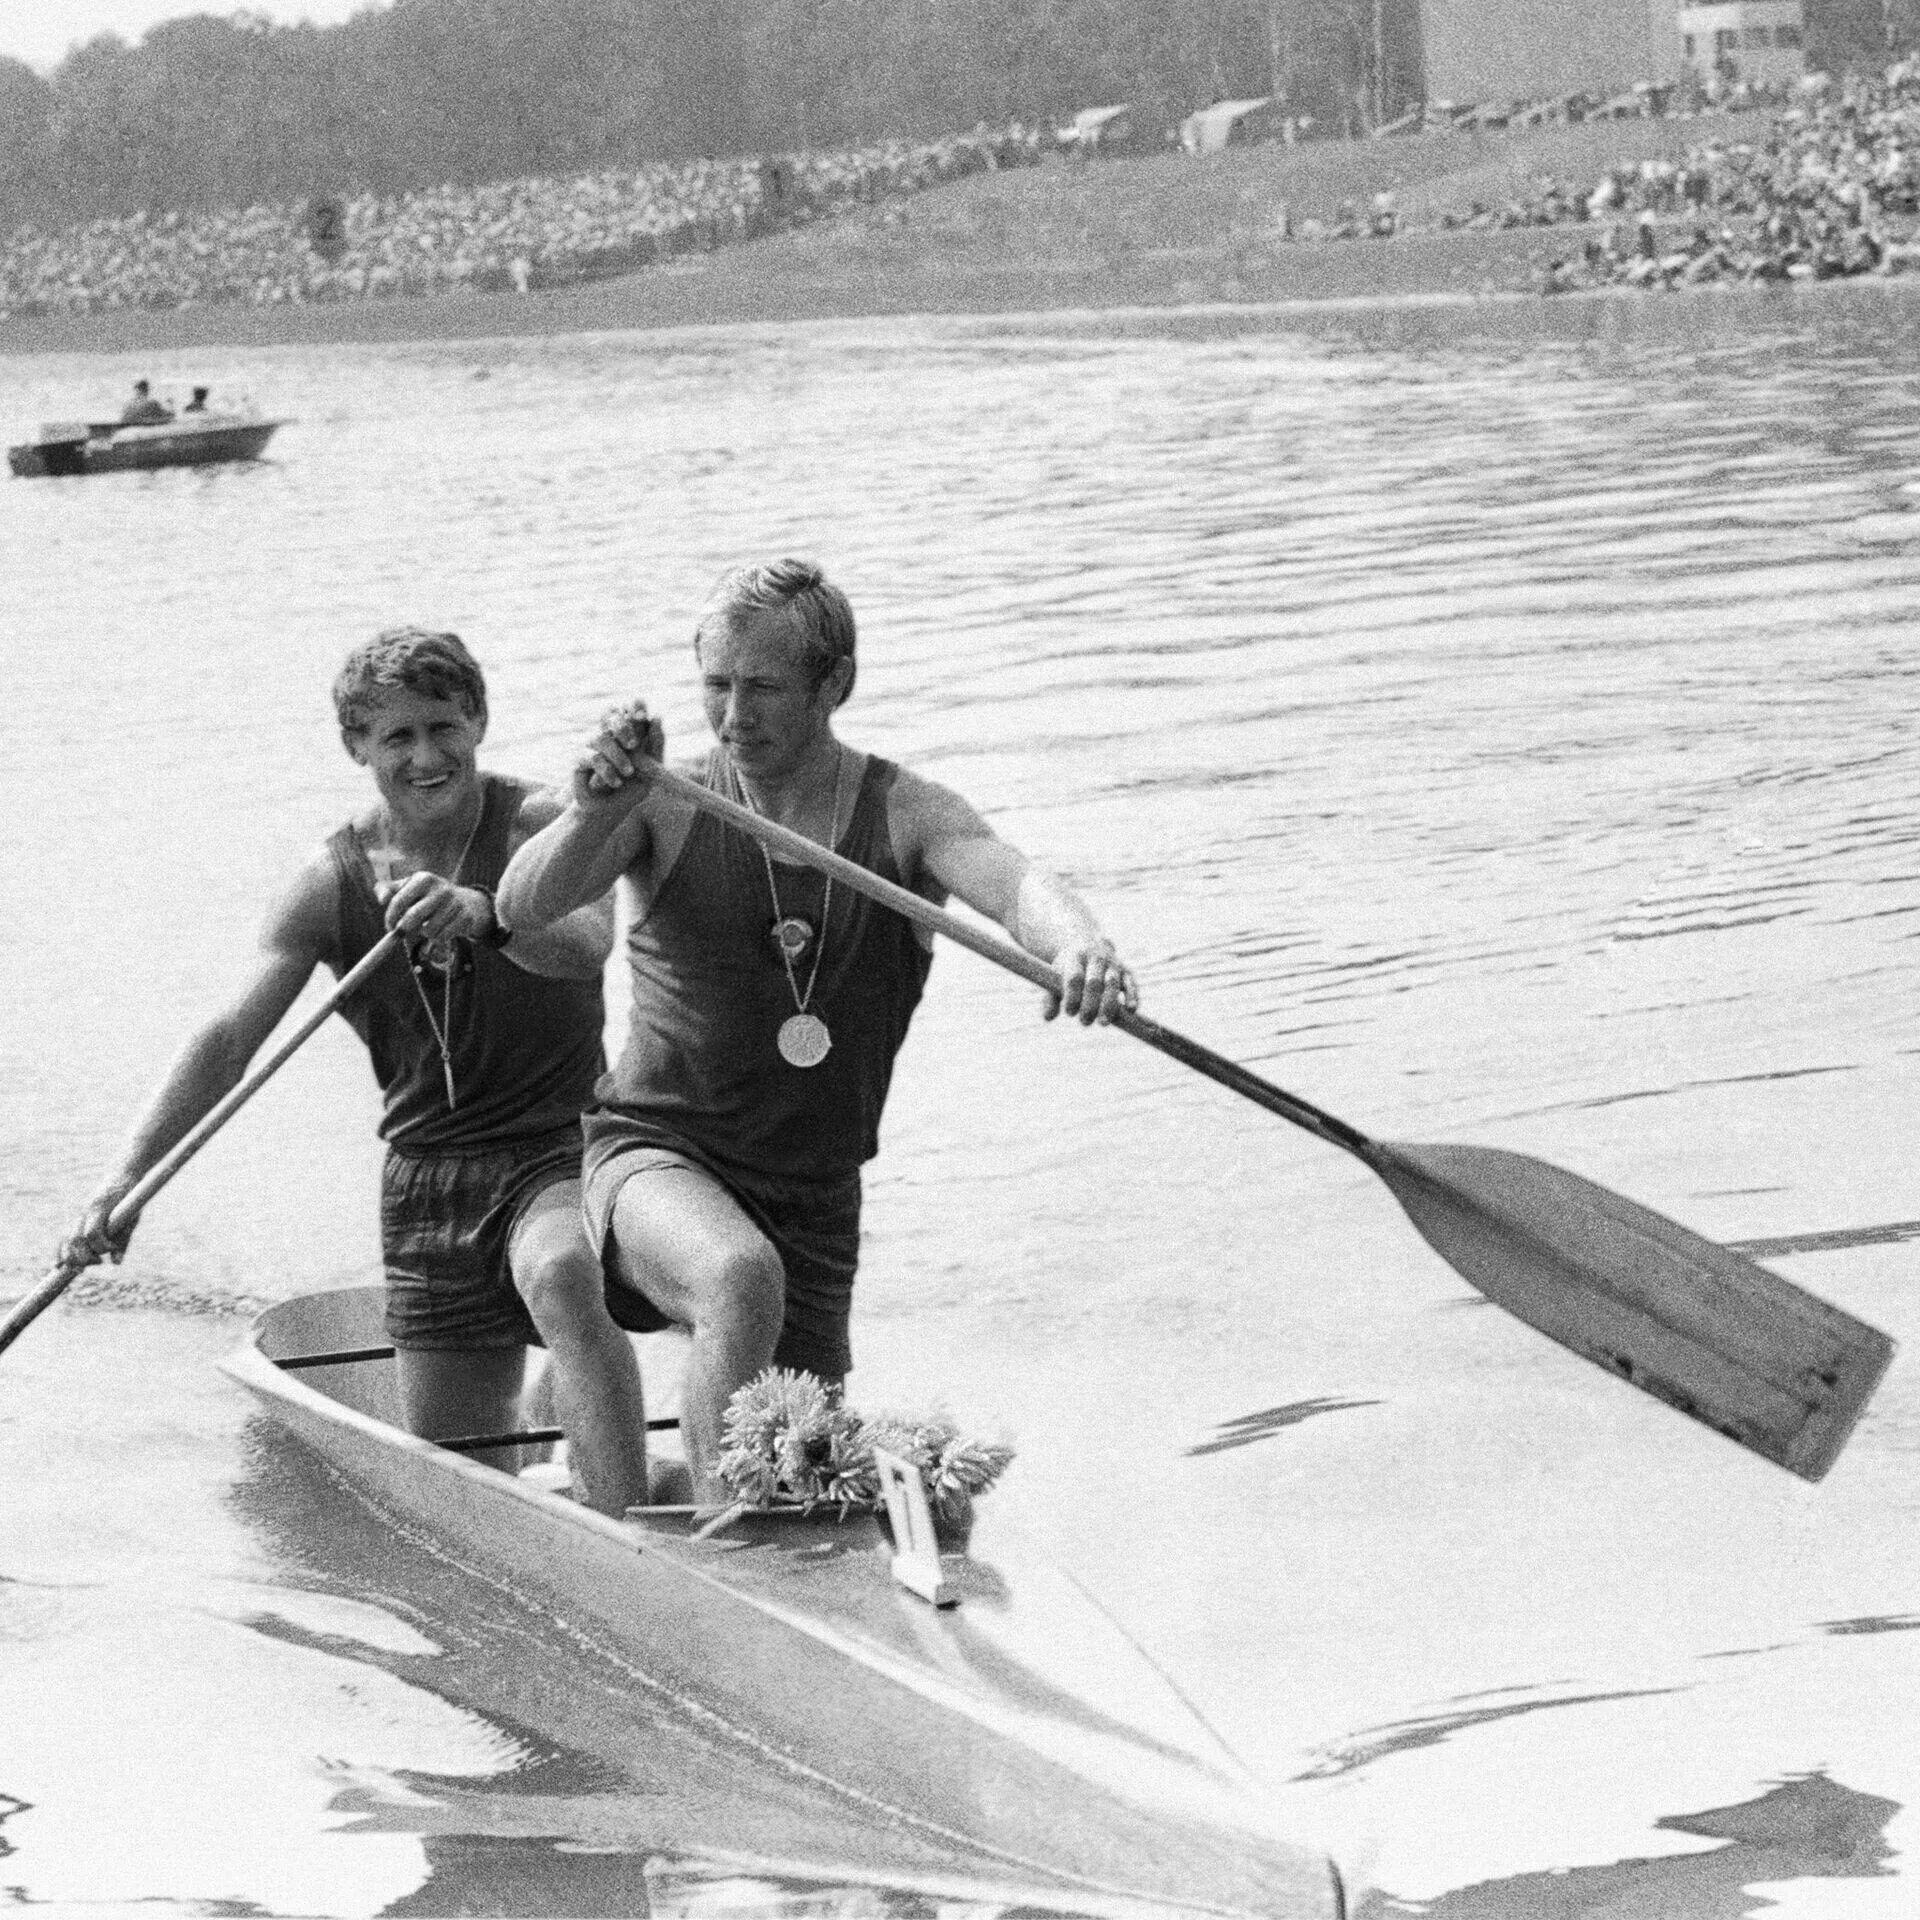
[499, 933]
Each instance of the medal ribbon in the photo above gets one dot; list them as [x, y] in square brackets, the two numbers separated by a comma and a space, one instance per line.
[800, 1001]
[417, 964]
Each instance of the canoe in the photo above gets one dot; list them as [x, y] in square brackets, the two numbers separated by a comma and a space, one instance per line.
[106, 447]
[1018, 1726]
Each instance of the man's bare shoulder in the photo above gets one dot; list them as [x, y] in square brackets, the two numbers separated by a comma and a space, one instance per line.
[658, 827]
[303, 921]
[540, 805]
[693, 767]
[927, 810]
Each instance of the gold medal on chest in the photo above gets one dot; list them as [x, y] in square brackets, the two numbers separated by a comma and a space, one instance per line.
[803, 1040]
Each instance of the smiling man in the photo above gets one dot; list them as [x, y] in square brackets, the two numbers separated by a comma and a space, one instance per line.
[486, 1045]
[724, 1154]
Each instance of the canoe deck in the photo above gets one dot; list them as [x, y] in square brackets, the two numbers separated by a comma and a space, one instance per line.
[1021, 1727]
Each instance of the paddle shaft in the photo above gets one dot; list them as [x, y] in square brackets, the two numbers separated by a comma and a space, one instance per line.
[924, 913]
[65, 1272]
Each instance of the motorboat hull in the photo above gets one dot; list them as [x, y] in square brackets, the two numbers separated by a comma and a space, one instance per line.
[129, 449]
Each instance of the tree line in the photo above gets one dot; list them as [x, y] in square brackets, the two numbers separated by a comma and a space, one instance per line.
[210, 112]
[216, 112]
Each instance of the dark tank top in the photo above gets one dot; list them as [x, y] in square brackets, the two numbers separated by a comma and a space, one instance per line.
[702, 1065]
[526, 1049]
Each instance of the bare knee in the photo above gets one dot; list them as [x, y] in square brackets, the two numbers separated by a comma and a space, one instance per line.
[561, 1284]
[742, 1297]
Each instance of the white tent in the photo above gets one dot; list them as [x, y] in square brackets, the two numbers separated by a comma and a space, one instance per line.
[1094, 127]
[1226, 121]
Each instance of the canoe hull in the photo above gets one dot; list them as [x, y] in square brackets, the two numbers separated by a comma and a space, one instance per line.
[134, 449]
[795, 1637]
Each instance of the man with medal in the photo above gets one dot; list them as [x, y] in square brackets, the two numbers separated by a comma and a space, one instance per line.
[723, 1154]
[486, 1044]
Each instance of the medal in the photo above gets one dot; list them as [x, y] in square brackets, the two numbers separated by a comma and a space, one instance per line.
[792, 936]
[446, 956]
[440, 956]
[804, 1040]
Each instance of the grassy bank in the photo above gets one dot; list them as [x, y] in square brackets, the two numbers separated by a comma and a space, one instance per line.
[1164, 231]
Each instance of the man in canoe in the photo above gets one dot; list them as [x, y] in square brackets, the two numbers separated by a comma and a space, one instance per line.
[486, 1044]
[723, 1155]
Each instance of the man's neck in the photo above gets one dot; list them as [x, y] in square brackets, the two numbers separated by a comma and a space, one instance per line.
[433, 846]
[805, 797]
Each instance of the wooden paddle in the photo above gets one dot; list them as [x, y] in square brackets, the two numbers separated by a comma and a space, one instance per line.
[63, 1273]
[1690, 1322]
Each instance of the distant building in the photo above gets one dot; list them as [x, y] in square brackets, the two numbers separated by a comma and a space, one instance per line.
[1859, 36]
[1480, 51]
[1759, 42]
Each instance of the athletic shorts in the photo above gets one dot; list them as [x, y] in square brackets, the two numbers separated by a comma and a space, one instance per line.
[446, 1226]
[814, 1226]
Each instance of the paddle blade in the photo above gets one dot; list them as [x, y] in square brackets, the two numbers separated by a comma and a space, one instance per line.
[1692, 1323]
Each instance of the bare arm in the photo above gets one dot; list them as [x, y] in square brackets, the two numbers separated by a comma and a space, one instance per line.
[209, 1066]
[939, 834]
[575, 946]
[604, 829]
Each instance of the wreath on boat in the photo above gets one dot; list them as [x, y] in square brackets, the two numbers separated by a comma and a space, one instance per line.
[788, 1441]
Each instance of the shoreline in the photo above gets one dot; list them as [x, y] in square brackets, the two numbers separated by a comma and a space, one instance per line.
[746, 287]
[783, 281]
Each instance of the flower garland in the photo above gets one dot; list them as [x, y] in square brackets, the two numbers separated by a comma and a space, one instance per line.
[952, 1469]
[788, 1442]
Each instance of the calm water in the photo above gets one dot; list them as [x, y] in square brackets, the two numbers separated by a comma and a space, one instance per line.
[1493, 725]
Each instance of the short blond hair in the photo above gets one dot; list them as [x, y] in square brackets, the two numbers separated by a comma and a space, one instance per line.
[818, 613]
[419, 660]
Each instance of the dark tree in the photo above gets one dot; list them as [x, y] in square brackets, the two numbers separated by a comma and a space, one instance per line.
[26, 142]
[211, 111]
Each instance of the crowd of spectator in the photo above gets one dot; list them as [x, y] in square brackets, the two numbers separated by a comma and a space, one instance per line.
[1829, 188]
[517, 234]
[1831, 192]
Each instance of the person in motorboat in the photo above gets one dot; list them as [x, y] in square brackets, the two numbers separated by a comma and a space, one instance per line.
[198, 404]
[143, 410]
[486, 1043]
[723, 1152]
